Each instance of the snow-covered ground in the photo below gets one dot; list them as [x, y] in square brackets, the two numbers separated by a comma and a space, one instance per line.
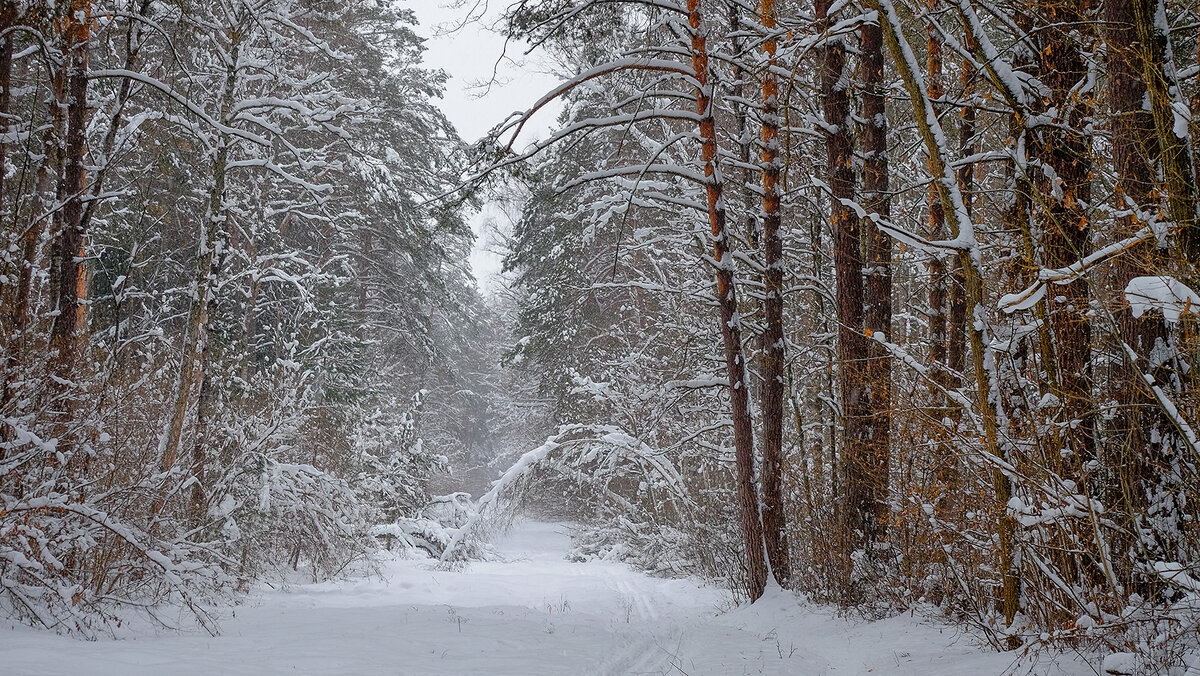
[533, 613]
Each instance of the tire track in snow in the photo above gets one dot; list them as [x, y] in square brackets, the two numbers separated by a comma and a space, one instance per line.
[641, 601]
[643, 656]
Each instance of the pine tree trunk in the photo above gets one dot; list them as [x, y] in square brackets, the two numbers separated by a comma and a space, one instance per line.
[731, 331]
[1066, 233]
[940, 289]
[956, 358]
[14, 322]
[936, 230]
[878, 293]
[8, 15]
[68, 246]
[860, 503]
[773, 516]
[68, 272]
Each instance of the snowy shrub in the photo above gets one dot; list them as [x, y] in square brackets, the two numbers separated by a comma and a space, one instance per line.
[425, 535]
[392, 462]
[451, 511]
[85, 561]
[631, 503]
[279, 513]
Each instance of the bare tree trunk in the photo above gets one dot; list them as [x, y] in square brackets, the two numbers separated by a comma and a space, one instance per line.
[957, 330]
[367, 251]
[936, 231]
[68, 247]
[14, 325]
[956, 358]
[731, 331]
[8, 16]
[773, 515]
[1066, 229]
[741, 87]
[860, 504]
[1016, 219]
[210, 352]
[198, 500]
[941, 336]
[828, 436]
[1195, 127]
[208, 259]
[878, 295]
[69, 286]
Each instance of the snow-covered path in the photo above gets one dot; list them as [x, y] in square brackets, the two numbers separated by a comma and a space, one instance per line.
[534, 613]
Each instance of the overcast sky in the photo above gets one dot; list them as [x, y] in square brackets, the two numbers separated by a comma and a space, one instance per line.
[470, 55]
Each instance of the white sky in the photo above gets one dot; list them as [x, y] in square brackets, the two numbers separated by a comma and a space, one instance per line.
[470, 55]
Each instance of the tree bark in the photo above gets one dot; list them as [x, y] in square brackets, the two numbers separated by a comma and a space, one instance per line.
[859, 505]
[8, 16]
[876, 199]
[731, 331]
[68, 246]
[940, 334]
[193, 365]
[14, 326]
[772, 360]
[1138, 419]
[1065, 147]
[957, 329]
[936, 230]
[956, 333]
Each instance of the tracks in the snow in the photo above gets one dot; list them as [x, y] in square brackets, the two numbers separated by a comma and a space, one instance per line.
[641, 656]
[641, 604]
[644, 653]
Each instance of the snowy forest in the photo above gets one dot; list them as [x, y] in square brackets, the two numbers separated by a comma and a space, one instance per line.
[884, 307]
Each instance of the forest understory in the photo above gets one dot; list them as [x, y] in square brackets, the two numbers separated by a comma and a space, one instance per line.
[891, 304]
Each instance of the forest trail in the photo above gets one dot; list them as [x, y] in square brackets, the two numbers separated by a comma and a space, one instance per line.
[532, 613]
